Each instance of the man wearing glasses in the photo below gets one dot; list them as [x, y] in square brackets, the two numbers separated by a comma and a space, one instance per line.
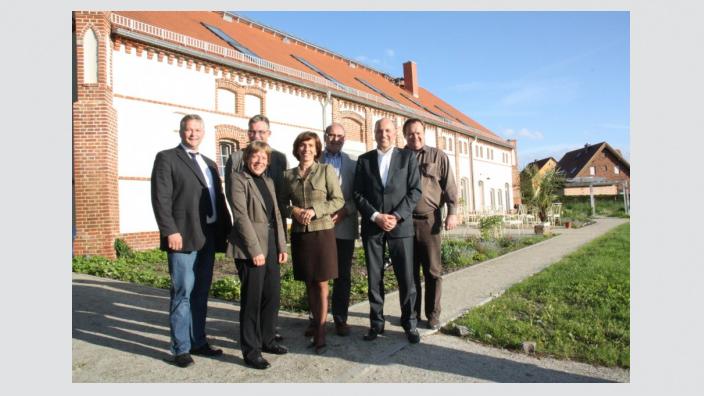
[259, 130]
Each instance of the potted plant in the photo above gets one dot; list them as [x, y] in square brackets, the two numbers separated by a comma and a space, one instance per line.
[540, 190]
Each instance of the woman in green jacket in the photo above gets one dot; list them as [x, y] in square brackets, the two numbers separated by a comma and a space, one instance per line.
[314, 194]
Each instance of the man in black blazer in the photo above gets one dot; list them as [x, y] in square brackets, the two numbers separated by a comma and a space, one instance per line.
[193, 221]
[258, 129]
[386, 190]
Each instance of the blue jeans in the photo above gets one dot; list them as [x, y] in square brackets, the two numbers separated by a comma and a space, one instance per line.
[191, 275]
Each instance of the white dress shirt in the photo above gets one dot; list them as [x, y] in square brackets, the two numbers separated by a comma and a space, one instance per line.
[384, 160]
[209, 180]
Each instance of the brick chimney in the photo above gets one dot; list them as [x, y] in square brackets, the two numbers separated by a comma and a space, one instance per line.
[410, 78]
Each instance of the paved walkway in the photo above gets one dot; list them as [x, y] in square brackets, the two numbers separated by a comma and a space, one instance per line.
[121, 334]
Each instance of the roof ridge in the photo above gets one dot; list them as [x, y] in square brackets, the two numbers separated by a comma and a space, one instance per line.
[307, 43]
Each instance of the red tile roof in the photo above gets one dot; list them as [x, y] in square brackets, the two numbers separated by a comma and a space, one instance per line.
[269, 44]
[574, 161]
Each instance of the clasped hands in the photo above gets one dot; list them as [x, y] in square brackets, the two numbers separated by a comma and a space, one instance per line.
[386, 222]
[260, 260]
[303, 216]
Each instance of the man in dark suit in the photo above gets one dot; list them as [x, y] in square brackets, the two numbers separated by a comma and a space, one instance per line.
[346, 224]
[386, 190]
[193, 221]
[258, 129]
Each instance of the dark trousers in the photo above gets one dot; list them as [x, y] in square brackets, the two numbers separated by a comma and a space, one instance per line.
[341, 286]
[401, 253]
[426, 247]
[260, 297]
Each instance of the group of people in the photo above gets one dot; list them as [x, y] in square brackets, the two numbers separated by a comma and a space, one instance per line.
[398, 193]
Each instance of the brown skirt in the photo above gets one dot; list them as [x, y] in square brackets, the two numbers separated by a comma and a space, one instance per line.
[314, 255]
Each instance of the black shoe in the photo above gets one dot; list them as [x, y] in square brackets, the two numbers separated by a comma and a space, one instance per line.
[258, 363]
[433, 324]
[342, 329]
[206, 350]
[184, 360]
[372, 334]
[413, 336]
[276, 349]
[278, 337]
[321, 349]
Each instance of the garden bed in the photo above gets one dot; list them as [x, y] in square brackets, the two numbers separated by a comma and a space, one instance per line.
[150, 268]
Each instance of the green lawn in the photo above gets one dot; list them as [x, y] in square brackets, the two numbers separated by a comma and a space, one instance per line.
[575, 309]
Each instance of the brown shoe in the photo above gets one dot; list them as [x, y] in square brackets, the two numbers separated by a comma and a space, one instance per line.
[342, 329]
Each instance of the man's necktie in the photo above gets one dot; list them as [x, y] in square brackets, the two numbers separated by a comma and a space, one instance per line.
[195, 161]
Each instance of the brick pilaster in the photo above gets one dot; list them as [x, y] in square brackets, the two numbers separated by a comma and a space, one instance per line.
[95, 178]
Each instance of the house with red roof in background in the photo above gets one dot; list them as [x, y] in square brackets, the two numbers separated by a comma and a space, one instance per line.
[598, 167]
[137, 73]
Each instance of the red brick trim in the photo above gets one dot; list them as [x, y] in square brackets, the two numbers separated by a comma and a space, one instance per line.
[141, 240]
[346, 117]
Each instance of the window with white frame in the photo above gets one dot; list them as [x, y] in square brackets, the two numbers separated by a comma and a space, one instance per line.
[592, 171]
[492, 199]
[227, 147]
[616, 170]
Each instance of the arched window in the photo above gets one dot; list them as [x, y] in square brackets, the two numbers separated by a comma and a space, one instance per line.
[90, 57]
[252, 105]
[500, 199]
[227, 147]
[482, 206]
[492, 199]
[227, 101]
[464, 190]
[508, 199]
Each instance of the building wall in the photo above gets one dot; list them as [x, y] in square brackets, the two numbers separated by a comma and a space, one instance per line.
[495, 172]
[133, 111]
[603, 163]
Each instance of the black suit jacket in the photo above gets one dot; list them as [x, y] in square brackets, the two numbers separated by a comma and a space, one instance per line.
[180, 200]
[400, 195]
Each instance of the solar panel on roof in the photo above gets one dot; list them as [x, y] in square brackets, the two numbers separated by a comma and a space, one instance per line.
[373, 88]
[380, 92]
[233, 43]
[315, 69]
[446, 112]
[422, 106]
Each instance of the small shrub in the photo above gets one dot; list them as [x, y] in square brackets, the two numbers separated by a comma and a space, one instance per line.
[227, 288]
[456, 254]
[122, 249]
[507, 241]
[490, 227]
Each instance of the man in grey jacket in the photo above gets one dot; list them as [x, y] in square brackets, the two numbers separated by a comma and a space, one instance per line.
[346, 224]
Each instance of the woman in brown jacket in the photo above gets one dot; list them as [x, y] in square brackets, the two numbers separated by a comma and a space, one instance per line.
[314, 193]
[259, 246]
